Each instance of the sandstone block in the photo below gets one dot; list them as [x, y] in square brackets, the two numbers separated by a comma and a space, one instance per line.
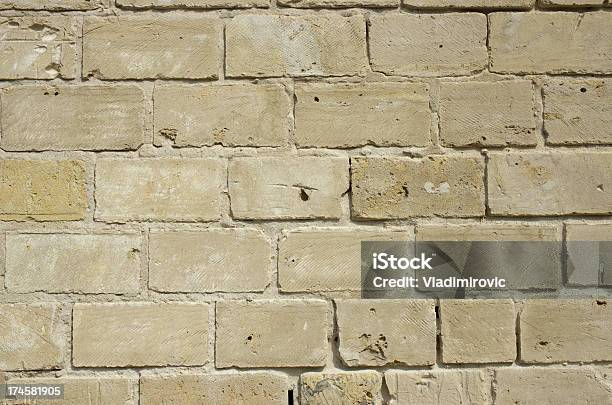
[281, 333]
[52, 5]
[42, 190]
[360, 387]
[313, 45]
[550, 183]
[468, 4]
[197, 4]
[160, 47]
[72, 117]
[233, 115]
[381, 332]
[159, 189]
[352, 115]
[572, 3]
[71, 263]
[140, 334]
[449, 44]
[385, 188]
[287, 187]
[487, 114]
[338, 3]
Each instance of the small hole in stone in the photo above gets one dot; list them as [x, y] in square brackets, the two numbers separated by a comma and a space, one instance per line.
[583, 89]
[600, 187]
[543, 343]
[250, 337]
[304, 195]
[440, 46]
[316, 99]
[56, 93]
[601, 302]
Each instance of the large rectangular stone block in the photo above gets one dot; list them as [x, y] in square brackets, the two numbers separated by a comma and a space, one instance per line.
[359, 387]
[42, 190]
[229, 115]
[159, 189]
[52, 5]
[72, 117]
[449, 44]
[73, 263]
[139, 334]
[160, 47]
[287, 187]
[197, 4]
[469, 4]
[529, 42]
[352, 115]
[397, 187]
[310, 45]
[550, 183]
[281, 333]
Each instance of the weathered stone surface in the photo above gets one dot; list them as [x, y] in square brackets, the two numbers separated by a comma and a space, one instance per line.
[87, 390]
[559, 386]
[338, 3]
[2, 257]
[589, 248]
[42, 190]
[38, 47]
[287, 187]
[438, 387]
[139, 334]
[209, 260]
[467, 4]
[478, 331]
[550, 183]
[535, 262]
[196, 389]
[380, 332]
[566, 330]
[487, 114]
[31, 337]
[63, 263]
[312, 45]
[192, 3]
[572, 3]
[352, 115]
[159, 189]
[230, 115]
[529, 42]
[83, 5]
[160, 47]
[449, 44]
[359, 387]
[404, 187]
[281, 333]
[72, 117]
[319, 259]
[578, 112]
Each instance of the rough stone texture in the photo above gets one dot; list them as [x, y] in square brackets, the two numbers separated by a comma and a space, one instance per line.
[229, 115]
[322, 259]
[42, 190]
[559, 386]
[31, 337]
[139, 334]
[360, 387]
[159, 189]
[529, 42]
[71, 117]
[86, 390]
[550, 183]
[160, 47]
[310, 45]
[281, 333]
[381, 332]
[352, 115]
[38, 47]
[287, 187]
[236, 260]
[468, 4]
[450, 44]
[64, 263]
[452, 387]
[53, 5]
[338, 3]
[198, 4]
[589, 254]
[196, 389]
[487, 114]
[578, 112]
[535, 264]
[572, 3]
[478, 331]
[555, 331]
[2, 258]
[389, 187]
